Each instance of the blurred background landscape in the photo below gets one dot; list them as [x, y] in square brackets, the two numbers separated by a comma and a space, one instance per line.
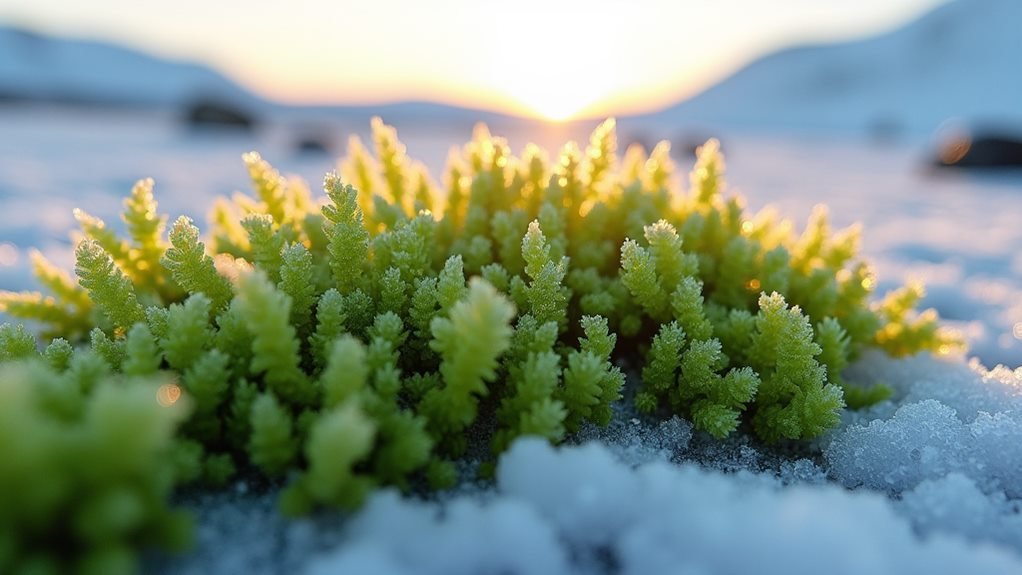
[861, 106]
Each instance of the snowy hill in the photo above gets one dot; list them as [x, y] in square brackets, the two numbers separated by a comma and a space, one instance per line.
[38, 67]
[961, 60]
[34, 66]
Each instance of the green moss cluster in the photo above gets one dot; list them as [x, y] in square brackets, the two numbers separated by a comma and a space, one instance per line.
[361, 338]
[89, 463]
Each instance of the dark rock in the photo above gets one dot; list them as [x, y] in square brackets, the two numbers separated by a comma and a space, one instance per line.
[981, 151]
[207, 113]
[313, 144]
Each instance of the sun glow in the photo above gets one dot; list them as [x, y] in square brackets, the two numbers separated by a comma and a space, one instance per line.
[559, 65]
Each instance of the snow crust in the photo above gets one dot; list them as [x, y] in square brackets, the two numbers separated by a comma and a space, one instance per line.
[950, 418]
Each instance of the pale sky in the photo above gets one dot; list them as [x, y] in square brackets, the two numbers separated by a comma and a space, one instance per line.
[554, 58]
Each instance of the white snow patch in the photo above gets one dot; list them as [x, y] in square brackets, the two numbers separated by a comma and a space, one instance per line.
[953, 417]
[579, 509]
[955, 504]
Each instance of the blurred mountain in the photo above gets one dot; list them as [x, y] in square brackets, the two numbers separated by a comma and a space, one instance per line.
[37, 67]
[962, 60]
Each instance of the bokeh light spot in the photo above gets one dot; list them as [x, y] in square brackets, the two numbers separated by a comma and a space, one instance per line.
[168, 394]
[8, 254]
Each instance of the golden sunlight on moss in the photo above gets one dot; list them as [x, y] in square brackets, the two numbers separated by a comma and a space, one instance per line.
[230, 267]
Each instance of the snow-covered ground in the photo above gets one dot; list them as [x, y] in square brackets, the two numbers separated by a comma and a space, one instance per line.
[929, 481]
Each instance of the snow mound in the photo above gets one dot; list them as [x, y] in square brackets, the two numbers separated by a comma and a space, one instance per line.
[952, 418]
[579, 509]
[923, 440]
[954, 504]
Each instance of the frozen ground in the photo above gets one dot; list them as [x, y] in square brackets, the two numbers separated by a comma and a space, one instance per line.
[930, 481]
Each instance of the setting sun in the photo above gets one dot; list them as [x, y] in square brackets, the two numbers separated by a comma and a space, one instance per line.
[556, 72]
